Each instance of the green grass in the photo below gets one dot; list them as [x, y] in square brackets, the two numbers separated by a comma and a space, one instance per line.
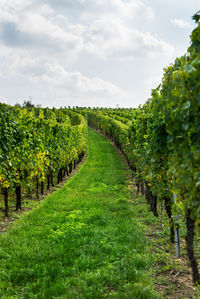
[83, 241]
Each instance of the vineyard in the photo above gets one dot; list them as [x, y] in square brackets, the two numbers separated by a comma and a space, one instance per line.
[161, 144]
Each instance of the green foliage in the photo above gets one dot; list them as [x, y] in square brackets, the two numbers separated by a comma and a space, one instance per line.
[35, 142]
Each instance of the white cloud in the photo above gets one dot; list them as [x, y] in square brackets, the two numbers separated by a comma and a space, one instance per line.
[40, 70]
[111, 38]
[35, 33]
[41, 31]
[93, 8]
[181, 23]
[75, 81]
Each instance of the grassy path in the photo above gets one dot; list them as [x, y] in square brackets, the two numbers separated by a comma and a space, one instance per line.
[83, 241]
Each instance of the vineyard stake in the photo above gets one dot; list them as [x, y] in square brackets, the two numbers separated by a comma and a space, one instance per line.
[177, 232]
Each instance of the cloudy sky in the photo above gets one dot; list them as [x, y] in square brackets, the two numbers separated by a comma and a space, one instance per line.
[89, 52]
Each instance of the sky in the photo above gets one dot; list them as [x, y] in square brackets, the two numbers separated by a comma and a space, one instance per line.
[96, 53]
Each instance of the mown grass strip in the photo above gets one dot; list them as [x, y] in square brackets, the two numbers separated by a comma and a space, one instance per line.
[83, 241]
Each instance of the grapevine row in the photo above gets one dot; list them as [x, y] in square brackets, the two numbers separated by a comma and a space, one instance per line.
[35, 144]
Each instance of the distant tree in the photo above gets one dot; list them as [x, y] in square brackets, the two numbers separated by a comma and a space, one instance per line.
[28, 104]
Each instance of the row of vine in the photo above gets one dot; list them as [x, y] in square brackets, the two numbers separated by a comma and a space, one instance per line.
[35, 144]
